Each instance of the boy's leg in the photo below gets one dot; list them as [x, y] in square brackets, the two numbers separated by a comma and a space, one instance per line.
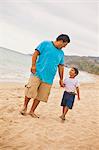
[65, 110]
[34, 106]
[23, 111]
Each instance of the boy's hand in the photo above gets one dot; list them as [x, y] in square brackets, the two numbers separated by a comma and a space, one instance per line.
[61, 83]
[78, 98]
[33, 69]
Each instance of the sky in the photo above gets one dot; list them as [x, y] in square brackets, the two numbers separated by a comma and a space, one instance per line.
[26, 23]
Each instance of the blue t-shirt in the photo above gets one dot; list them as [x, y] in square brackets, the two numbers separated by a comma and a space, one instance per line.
[49, 59]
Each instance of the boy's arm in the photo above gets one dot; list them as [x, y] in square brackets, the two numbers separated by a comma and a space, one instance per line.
[78, 94]
[61, 73]
[34, 58]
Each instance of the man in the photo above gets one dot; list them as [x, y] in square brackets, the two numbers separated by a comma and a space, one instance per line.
[45, 60]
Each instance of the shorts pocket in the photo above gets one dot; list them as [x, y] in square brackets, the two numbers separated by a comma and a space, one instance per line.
[28, 85]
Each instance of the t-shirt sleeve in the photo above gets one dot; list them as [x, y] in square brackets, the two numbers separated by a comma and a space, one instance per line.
[77, 83]
[41, 46]
[62, 60]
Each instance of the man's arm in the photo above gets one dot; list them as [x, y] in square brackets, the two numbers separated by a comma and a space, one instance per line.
[61, 74]
[34, 58]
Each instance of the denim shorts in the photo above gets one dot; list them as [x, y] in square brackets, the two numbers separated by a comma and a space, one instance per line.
[68, 100]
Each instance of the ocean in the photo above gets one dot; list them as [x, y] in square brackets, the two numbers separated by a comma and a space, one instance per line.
[15, 67]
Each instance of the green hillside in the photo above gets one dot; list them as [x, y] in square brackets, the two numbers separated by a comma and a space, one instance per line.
[88, 64]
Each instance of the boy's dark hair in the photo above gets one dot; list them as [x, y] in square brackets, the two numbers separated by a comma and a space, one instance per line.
[76, 71]
[63, 37]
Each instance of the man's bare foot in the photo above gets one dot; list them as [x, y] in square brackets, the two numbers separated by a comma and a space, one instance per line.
[23, 111]
[62, 117]
[33, 115]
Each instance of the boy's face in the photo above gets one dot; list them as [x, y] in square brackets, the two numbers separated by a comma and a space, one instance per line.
[72, 72]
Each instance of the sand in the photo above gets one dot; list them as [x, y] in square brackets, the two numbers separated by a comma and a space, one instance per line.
[80, 130]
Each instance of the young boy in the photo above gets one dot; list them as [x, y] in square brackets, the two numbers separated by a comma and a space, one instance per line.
[70, 84]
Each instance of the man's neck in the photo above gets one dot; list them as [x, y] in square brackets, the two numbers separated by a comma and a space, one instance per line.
[55, 43]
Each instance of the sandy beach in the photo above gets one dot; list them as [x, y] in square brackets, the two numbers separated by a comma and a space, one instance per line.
[80, 131]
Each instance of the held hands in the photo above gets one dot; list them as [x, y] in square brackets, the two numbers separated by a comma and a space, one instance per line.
[61, 83]
[33, 69]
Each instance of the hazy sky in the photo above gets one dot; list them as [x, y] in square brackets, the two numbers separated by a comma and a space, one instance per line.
[25, 23]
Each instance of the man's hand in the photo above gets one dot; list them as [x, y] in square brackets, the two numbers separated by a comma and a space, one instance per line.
[61, 83]
[34, 58]
[33, 69]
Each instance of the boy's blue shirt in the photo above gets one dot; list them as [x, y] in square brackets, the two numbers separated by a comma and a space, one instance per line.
[49, 59]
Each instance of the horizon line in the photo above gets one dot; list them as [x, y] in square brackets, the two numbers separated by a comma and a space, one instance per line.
[31, 53]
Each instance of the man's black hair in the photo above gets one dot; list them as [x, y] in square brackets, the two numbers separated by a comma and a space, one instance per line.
[63, 37]
[76, 71]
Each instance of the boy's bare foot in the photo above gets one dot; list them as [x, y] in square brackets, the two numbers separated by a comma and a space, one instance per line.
[23, 111]
[33, 115]
[62, 117]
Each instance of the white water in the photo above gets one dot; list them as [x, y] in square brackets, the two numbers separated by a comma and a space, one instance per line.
[15, 67]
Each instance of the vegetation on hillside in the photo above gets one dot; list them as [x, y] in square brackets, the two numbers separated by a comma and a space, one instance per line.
[88, 64]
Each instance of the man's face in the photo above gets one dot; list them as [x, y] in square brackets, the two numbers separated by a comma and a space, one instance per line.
[63, 44]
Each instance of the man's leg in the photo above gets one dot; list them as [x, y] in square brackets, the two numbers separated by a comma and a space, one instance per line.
[26, 101]
[42, 95]
[34, 106]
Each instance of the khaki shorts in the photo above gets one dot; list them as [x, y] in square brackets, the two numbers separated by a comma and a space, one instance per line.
[37, 89]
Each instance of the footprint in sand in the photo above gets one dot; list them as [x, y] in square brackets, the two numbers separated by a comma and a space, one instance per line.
[10, 110]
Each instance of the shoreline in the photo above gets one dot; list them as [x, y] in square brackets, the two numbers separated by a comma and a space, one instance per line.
[82, 74]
